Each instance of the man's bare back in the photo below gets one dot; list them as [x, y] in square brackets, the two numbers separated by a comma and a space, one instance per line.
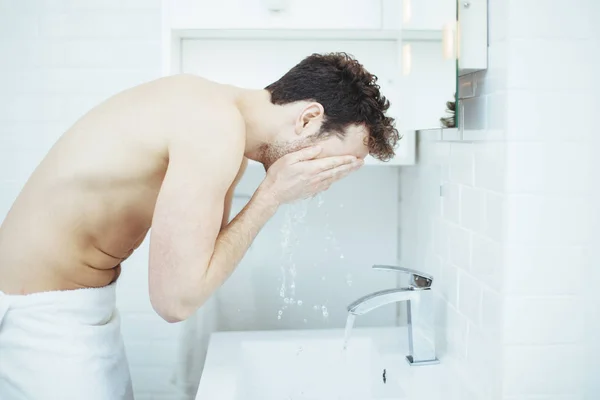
[90, 202]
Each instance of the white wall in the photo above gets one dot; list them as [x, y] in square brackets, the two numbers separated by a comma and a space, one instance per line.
[59, 59]
[510, 238]
[592, 317]
[451, 214]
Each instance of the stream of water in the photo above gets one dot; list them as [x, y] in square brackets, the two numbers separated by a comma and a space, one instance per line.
[294, 218]
[348, 330]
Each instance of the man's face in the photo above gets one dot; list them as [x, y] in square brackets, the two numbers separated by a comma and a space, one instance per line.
[352, 143]
[307, 133]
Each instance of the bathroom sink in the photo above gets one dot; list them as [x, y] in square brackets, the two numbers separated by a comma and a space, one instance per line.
[306, 368]
[312, 365]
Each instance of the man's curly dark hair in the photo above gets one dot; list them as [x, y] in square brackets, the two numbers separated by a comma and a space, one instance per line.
[348, 93]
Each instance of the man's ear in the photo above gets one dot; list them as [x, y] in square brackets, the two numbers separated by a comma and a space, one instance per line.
[312, 115]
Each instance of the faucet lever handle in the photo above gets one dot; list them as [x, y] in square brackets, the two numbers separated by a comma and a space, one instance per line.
[418, 279]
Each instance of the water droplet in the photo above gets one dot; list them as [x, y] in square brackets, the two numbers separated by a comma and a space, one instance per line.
[280, 312]
[293, 286]
[315, 308]
[299, 302]
[341, 205]
[279, 317]
[305, 321]
[322, 278]
[299, 350]
[341, 256]
[320, 201]
[286, 300]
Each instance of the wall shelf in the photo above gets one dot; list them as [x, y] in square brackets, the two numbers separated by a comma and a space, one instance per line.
[296, 34]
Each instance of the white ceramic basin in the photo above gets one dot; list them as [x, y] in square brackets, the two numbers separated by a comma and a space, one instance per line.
[306, 368]
[311, 365]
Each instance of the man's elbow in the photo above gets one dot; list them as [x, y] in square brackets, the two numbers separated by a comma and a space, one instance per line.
[173, 311]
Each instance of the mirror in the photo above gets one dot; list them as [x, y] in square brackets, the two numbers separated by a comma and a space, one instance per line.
[429, 77]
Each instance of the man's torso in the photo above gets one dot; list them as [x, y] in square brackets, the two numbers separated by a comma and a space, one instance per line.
[89, 204]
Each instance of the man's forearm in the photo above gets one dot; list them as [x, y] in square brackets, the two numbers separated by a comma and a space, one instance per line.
[233, 242]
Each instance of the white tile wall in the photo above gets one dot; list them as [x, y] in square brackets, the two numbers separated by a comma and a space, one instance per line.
[536, 219]
[459, 243]
[540, 167]
[529, 275]
[529, 69]
[531, 119]
[448, 284]
[495, 215]
[540, 370]
[461, 164]
[498, 27]
[488, 261]
[527, 320]
[490, 165]
[591, 295]
[523, 306]
[467, 237]
[573, 24]
[472, 208]
[451, 202]
[469, 297]
[491, 308]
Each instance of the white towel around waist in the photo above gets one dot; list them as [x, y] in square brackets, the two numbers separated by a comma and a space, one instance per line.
[62, 345]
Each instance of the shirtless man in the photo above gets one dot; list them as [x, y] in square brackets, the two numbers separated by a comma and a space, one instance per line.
[166, 154]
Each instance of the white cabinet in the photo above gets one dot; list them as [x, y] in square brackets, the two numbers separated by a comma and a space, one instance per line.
[255, 14]
[255, 63]
[473, 36]
[427, 14]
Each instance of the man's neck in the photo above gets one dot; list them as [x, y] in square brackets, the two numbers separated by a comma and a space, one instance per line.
[260, 116]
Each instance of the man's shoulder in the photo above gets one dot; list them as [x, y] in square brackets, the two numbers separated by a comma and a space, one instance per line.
[221, 121]
[208, 102]
[217, 131]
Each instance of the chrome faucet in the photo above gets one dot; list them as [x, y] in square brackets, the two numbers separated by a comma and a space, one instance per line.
[418, 283]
